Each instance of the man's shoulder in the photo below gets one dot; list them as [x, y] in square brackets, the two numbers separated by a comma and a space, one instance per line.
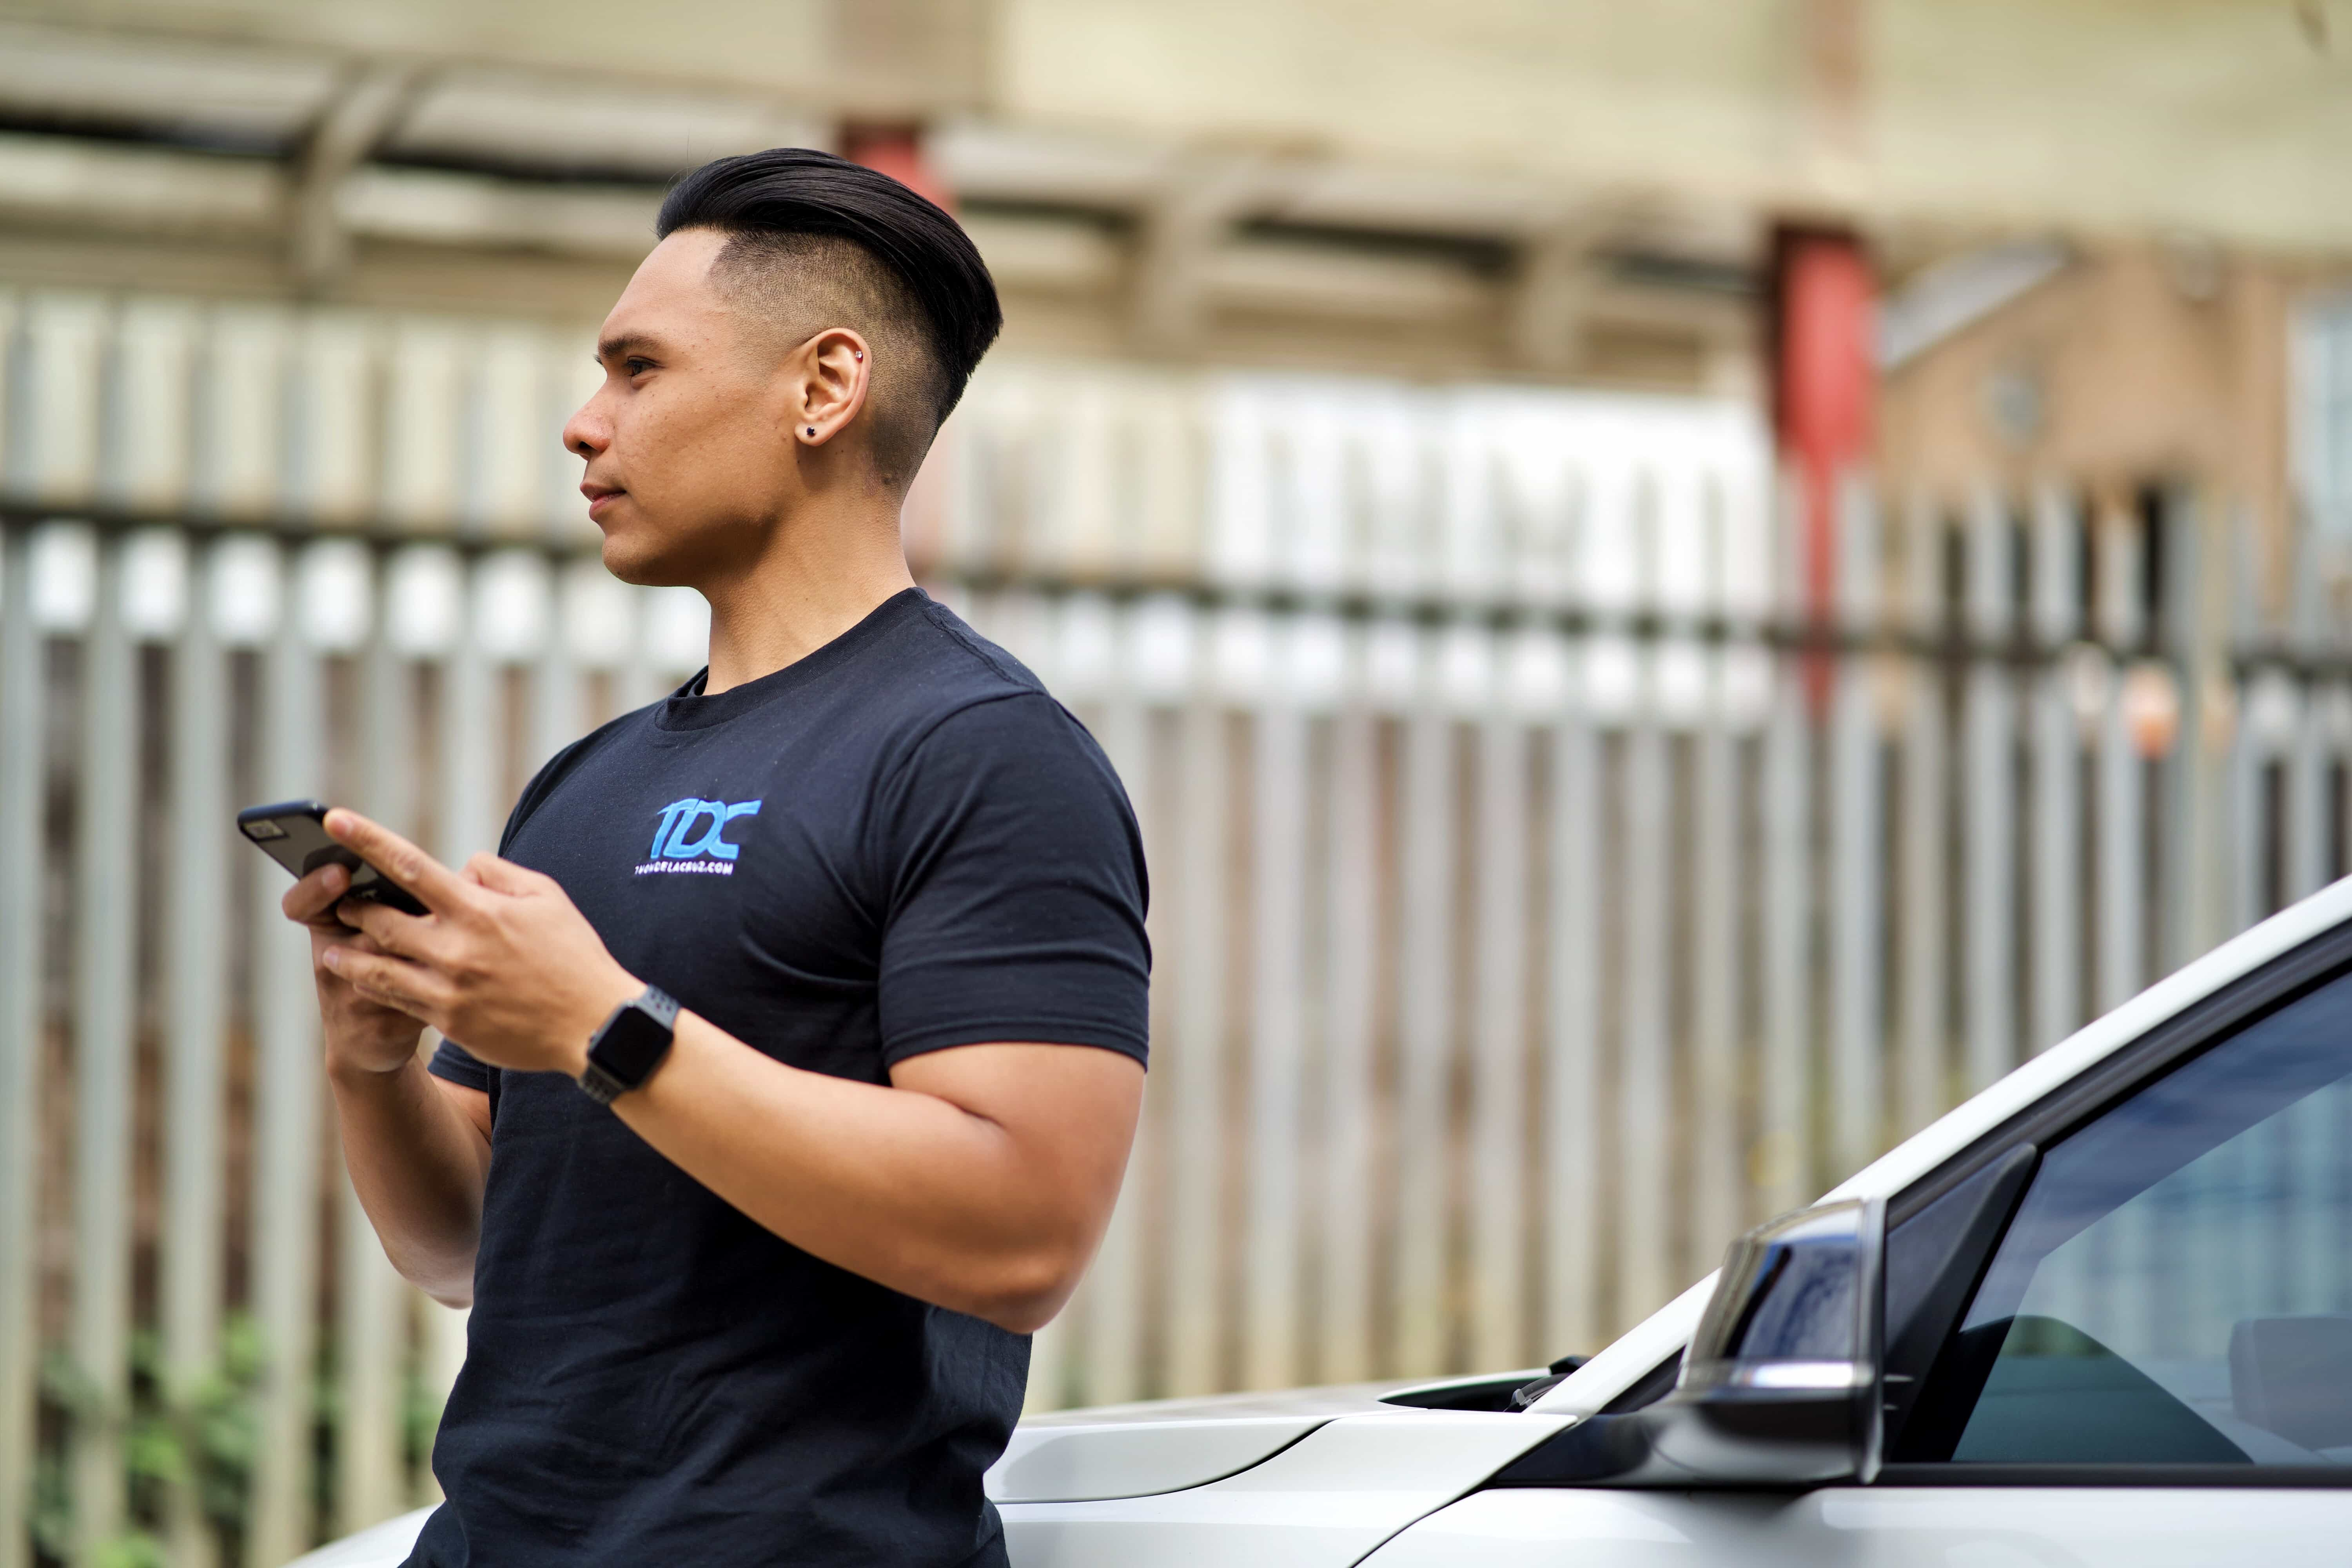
[957, 666]
[562, 765]
[976, 692]
[941, 682]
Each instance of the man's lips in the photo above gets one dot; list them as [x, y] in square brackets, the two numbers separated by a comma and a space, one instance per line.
[600, 497]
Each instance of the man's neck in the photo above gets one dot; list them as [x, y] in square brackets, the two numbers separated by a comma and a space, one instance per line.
[814, 582]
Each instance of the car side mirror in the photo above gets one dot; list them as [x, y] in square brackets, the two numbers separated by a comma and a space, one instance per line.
[1780, 1384]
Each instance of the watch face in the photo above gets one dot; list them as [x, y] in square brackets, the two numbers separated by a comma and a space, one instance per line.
[630, 1044]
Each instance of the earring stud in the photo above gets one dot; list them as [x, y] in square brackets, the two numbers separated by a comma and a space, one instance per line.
[811, 429]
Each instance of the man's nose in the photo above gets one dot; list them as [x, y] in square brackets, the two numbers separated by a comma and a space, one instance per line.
[586, 435]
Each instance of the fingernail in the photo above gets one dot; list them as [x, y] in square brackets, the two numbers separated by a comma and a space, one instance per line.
[333, 958]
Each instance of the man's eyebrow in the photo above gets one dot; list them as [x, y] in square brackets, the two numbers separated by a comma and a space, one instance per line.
[614, 348]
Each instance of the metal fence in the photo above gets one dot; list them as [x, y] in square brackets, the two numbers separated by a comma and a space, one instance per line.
[1539, 896]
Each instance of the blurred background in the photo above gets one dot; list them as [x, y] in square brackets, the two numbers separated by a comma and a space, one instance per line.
[1677, 587]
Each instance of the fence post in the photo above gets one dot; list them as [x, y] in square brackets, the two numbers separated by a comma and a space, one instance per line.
[2306, 779]
[1573, 1321]
[1783, 1163]
[105, 898]
[1856, 896]
[1499, 1064]
[369, 1296]
[23, 688]
[2245, 888]
[148, 425]
[1276, 1069]
[2122, 865]
[466, 819]
[286, 1112]
[61, 379]
[1988, 813]
[1645, 875]
[1114, 1287]
[2057, 875]
[1351, 933]
[1194, 1071]
[557, 715]
[2192, 610]
[1718, 1181]
[1425, 1014]
[196, 1031]
[1925, 977]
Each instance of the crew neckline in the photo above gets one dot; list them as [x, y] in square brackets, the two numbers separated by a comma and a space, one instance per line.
[689, 707]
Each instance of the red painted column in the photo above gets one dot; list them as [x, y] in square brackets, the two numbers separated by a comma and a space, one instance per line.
[1823, 370]
[896, 151]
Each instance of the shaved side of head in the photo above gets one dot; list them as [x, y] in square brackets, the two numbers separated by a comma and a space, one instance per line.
[815, 241]
[790, 287]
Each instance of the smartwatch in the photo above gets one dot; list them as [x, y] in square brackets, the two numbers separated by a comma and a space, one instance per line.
[624, 1053]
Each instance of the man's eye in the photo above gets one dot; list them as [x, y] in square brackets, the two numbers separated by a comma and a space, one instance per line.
[637, 366]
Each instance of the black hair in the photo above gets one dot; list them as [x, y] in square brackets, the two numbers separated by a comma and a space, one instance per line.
[789, 193]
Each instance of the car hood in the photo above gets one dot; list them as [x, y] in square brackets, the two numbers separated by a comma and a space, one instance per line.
[1072, 1456]
[1164, 1445]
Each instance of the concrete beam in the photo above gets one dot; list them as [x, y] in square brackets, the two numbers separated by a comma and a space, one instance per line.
[432, 207]
[107, 186]
[1183, 225]
[364, 110]
[1561, 274]
[1281, 277]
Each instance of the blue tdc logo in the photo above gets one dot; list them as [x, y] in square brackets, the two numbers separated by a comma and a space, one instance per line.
[693, 837]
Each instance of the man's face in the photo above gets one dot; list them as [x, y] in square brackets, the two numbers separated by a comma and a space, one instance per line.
[689, 458]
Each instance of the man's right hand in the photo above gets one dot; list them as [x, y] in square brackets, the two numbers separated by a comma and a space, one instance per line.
[362, 1036]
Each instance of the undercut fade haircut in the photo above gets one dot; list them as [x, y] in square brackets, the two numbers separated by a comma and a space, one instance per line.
[816, 241]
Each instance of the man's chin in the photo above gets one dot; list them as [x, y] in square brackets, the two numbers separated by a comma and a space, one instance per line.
[635, 558]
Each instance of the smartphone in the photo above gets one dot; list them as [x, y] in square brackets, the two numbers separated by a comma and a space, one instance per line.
[294, 834]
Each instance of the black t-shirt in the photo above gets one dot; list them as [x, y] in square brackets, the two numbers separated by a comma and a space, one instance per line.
[897, 845]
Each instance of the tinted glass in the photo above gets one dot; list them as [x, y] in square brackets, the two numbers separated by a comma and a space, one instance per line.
[1806, 1307]
[2177, 1287]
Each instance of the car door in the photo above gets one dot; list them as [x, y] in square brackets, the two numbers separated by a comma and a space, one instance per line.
[2118, 1330]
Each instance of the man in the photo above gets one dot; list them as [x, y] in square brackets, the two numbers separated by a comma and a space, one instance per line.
[802, 1017]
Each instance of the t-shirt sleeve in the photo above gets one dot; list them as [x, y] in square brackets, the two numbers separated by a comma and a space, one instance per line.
[1015, 889]
[454, 1062]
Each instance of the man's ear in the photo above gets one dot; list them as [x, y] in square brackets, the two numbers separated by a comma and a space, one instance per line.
[830, 376]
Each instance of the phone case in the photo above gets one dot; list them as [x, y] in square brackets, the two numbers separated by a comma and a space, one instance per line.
[293, 833]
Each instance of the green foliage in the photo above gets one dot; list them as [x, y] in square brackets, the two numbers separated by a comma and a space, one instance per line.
[198, 1441]
[420, 1418]
[202, 1438]
[135, 1549]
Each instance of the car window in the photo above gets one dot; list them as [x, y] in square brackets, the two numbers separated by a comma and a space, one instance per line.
[2176, 1287]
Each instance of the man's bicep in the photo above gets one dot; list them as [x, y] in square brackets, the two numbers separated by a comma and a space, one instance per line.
[1072, 1108]
[473, 1104]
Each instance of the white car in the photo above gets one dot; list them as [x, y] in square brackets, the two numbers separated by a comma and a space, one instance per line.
[2100, 1314]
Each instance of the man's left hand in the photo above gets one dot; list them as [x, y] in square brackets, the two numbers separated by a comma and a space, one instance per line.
[503, 962]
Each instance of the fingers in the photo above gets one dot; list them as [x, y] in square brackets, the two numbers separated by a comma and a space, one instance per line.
[309, 900]
[505, 876]
[442, 890]
[392, 931]
[391, 981]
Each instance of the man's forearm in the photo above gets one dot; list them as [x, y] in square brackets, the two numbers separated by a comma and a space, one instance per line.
[982, 1213]
[418, 1163]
